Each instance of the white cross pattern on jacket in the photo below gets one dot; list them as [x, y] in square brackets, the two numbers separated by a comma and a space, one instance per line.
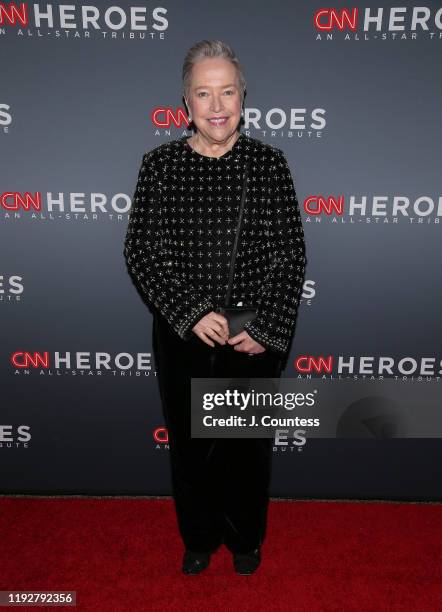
[181, 229]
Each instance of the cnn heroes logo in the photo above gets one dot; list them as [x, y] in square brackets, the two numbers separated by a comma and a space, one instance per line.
[274, 121]
[11, 288]
[373, 209]
[71, 206]
[81, 363]
[67, 20]
[382, 367]
[285, 440]
[392, 23]
[15, 436]
[5, 117]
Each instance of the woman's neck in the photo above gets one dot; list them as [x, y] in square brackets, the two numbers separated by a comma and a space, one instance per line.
[205, 148]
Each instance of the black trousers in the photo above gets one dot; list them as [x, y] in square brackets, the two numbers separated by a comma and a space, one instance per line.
[220, 485]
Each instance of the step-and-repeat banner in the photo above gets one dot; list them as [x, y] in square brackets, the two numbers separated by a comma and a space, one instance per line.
[352, 95]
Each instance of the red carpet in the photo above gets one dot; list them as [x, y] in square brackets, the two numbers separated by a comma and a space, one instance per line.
[125, 555]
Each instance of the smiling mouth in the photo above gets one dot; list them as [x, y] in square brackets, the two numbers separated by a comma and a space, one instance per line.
[218, 120]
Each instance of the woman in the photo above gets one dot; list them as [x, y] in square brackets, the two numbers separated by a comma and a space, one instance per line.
[178, 247]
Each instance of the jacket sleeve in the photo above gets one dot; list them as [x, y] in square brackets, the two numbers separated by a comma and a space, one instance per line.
[147, 262]
[281, 288]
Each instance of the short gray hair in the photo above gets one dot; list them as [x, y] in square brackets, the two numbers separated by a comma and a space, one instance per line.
[211, 48]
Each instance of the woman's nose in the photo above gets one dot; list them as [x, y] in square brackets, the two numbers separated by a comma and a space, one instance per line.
[216, 105]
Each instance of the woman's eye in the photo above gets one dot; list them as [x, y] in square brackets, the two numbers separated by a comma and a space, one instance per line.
[204, 93]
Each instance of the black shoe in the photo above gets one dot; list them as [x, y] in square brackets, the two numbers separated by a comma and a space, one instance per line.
[247, 563]
[195, 562]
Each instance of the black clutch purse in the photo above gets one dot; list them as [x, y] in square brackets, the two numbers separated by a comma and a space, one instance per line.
[237, 316]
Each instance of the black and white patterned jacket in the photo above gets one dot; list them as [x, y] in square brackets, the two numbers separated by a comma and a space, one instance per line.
[181, 229]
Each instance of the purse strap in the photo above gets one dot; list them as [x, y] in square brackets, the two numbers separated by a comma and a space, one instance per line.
[238, 230]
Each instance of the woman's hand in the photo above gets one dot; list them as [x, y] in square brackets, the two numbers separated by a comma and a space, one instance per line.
[212, 325]
[245, 344]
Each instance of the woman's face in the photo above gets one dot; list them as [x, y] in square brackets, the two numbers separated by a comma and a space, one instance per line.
[214, 92]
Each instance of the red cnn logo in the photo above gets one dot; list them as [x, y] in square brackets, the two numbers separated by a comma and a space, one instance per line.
[23, 359]
[316, 205]
[329, 18]
[12, 200]
[13, 15]
[161, 435]
[164, 117]
[308, 364]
